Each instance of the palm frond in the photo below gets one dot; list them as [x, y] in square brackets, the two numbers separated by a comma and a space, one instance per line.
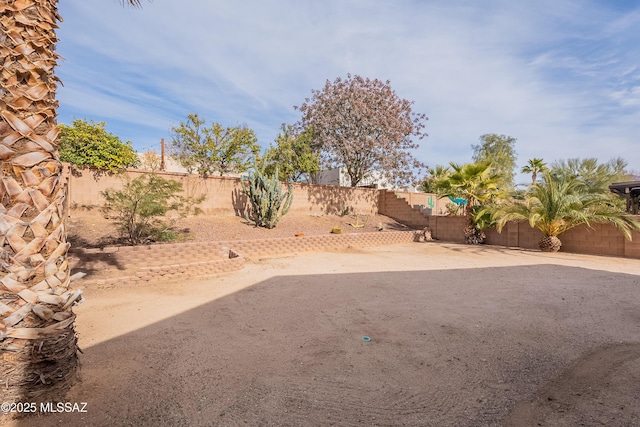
[560, 203]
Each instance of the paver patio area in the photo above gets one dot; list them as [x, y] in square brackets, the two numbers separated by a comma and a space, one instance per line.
[459, 336]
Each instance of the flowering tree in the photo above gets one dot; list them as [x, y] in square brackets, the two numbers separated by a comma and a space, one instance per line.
[363, 125]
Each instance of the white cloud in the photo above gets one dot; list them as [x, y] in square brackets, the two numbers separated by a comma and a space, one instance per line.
[560, 77]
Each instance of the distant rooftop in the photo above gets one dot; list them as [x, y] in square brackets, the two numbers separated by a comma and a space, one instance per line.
[630, 190]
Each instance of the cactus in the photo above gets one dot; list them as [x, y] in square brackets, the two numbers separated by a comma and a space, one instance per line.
[268, 202]
[431, 203]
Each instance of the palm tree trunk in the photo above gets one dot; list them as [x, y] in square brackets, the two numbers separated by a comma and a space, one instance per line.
[38, 344]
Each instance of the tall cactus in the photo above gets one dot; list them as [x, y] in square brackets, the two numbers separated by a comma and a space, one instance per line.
[268, 203]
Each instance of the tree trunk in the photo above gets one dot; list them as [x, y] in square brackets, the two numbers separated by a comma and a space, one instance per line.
[549, 244]
[38, 344]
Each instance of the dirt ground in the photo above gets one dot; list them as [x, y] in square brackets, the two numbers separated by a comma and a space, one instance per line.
[91, 229]
[459, 336]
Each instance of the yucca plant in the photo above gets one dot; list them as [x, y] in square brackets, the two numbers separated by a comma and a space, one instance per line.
[268, 202]
[560, 203]
[38, 343]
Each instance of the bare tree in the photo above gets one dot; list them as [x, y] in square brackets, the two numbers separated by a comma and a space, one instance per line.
[363, 125]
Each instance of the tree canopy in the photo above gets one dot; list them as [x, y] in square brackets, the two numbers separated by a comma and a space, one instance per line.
[208, 150]
[292, 155]
[499, 151]
[88, 144]
[363, 125]
[534, 167]
[594, 176]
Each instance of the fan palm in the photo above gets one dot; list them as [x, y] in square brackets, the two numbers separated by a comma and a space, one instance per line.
[560, 203]
[38, 344]
[474, 184]
[534, 167]
[437, 181]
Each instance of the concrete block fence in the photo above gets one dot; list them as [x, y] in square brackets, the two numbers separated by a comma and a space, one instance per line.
[599, 239]
[223, 194]
[224, 197]
[178, 261]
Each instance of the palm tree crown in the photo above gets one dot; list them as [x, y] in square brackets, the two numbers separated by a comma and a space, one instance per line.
[534, 167]
[474, 182]
[560, 203]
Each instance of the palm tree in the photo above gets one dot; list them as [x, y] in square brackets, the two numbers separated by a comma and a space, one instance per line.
[560, 203]
[474, 184]
[437, 180]
[534, 167]
[38, 343]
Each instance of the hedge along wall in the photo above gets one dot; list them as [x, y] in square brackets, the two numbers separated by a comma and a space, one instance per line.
[223, 195]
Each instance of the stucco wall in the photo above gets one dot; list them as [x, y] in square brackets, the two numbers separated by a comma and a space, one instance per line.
[223, 195]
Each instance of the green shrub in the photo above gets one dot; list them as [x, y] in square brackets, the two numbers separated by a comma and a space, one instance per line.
[141, 208]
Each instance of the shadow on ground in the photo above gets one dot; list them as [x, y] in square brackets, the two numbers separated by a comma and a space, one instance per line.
[447, 348]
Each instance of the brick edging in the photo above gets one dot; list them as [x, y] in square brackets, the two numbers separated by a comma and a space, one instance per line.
[143, 264]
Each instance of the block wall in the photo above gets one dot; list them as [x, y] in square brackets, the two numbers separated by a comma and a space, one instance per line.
[599, 239]
[223, 195]
[437, 205]
[398, 208]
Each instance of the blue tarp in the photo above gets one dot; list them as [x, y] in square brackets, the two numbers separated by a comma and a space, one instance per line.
[458, 201]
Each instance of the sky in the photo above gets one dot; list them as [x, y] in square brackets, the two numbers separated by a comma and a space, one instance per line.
[560, 76]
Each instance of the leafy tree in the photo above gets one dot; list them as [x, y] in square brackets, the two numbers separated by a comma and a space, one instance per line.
[595, 177]
[213, 149]
[499, 151]
[562, 202]
[141, 208]
[534, 167]
[363, 125]
[292, 155]
[39, 345]
[88, 144]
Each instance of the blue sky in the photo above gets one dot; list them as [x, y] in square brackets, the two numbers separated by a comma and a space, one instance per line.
[563, 77]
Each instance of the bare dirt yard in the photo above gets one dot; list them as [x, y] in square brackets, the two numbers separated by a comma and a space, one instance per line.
[421, 334]
[92, 229]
